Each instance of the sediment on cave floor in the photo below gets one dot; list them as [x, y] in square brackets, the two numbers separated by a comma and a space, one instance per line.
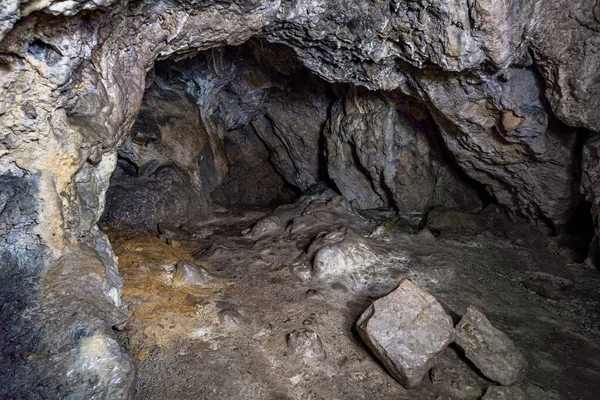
[256, 218]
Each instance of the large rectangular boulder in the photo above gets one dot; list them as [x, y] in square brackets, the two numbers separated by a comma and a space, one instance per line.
[406, 330]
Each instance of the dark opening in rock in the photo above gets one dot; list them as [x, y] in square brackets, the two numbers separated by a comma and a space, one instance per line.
[199, 199]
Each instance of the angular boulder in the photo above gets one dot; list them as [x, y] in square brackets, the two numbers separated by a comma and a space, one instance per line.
[406, 330]
[492, 352]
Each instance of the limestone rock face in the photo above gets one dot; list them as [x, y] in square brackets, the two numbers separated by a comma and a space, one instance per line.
[157, 168]
[489, 349]
[73, 76]
[503, 137]
[381, 157]
[455, 36]
[292, 129]
[406, 330]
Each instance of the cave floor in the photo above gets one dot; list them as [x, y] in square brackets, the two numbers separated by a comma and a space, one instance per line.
[227, 339]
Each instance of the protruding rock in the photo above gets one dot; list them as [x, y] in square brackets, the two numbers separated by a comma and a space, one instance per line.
[406, 330]
[264, 227]
[188, 273]
[488, 348]
[306, 344]
[380, 155]
[504, 393]
[346, 258]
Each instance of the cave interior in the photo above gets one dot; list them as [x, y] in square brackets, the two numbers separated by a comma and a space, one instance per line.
[251, 210]
[244, 165]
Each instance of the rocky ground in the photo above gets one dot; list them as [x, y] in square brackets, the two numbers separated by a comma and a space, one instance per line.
[274, 317]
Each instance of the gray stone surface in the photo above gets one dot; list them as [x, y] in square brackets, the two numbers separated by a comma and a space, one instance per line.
[504, 393]
[72, 84]
[188, 273]
[590, 183]
[490, 350]
[381, 156]
[406, 330]
[502, 135]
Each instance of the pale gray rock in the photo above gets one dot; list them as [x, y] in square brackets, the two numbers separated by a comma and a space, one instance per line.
[188, 273]
[489, 349]
[504, 393]
[344, 257]
[268, 225]
[406, 330]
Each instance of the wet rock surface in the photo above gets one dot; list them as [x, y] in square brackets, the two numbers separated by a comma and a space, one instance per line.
[406, 330]
[489, 349]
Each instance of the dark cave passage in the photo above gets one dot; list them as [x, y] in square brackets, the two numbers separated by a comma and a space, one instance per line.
[248, 126]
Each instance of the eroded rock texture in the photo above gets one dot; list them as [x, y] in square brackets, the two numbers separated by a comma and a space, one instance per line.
[73, 76]
[502, 136]
[382, 157]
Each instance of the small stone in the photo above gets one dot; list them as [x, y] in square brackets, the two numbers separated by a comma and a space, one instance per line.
[188, 273]
[346, 258]
[504, 393]
[406, 330]
[445, 220]
[314, 293]
[173, 243]
[511, 121]
[29, 110]
[492, 352]
[544, 288]
[301, 270]
[436, 376]
[231, 317]
[267, 226]
[306, 344]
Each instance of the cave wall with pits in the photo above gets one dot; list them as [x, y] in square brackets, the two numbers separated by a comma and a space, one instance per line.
[430, 95]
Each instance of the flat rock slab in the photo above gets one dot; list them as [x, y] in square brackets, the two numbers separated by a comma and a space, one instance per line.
[504, 393]
[488, 348]
[406, 330]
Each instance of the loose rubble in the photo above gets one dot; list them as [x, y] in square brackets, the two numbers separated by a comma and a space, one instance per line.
[188, 273]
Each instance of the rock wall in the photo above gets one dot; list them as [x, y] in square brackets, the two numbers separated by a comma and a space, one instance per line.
[381, 156]
[73, 75]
